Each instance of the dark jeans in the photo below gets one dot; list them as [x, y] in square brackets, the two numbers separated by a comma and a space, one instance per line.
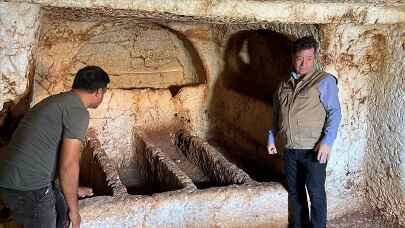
[42, 208]
[302, 169]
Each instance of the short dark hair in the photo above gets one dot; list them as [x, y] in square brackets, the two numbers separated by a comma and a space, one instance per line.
[91, 78]
[306, 42]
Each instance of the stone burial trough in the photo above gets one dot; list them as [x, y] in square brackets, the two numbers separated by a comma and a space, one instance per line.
[174, 179]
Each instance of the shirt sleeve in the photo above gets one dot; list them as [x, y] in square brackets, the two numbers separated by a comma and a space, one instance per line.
[271, 138]
[75, 123]
[330, 101]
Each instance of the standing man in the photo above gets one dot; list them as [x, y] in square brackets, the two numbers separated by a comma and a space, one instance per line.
[48, 143]
[306, 113]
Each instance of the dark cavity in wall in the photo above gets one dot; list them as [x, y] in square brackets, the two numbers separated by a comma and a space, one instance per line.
[256, 62]
[255, 161]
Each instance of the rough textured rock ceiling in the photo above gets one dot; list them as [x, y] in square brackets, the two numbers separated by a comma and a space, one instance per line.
[233, 11]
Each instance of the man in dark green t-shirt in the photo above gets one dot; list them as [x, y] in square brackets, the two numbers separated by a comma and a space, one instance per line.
[47, 144]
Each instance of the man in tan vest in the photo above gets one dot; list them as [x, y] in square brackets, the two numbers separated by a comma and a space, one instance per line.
[306, 114]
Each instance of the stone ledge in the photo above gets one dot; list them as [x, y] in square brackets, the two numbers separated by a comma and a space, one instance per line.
[232, 206]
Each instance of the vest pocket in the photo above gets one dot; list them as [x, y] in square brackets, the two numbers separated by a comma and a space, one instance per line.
[283, 100]
[309, 130]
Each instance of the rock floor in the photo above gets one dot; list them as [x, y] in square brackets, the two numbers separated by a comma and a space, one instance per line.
[361, 219]
[358, 219]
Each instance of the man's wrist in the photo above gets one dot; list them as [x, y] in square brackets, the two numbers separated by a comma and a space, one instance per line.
[73, 205]
[327, 142]
[74, 210]
[271, 137]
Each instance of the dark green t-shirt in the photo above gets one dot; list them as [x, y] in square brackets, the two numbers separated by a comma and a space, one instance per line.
[32, 154]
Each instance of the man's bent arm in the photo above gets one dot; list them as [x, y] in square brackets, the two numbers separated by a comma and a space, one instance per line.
[69, 166]
[330, 100]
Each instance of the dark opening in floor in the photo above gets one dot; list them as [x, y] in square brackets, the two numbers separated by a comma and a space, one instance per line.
[92, 174]
[258, 164]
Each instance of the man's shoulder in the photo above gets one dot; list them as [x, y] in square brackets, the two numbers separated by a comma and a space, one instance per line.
[283, 85]
[329, 78]
[70, 101]
[54, 99]
[285, 80]
[65, 102]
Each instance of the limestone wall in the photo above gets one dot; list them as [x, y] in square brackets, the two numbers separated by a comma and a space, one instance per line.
[126, 111]
[344, 55]
[134, 54]
[148, 65]
[369, 62]
[19, 25]
[384, 163]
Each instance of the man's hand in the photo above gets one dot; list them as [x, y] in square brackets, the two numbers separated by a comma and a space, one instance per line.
[84, 192]
[75, 219]
[323, 152]
[271, 148]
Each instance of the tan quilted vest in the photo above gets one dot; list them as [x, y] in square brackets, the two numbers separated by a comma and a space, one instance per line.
[302, 115]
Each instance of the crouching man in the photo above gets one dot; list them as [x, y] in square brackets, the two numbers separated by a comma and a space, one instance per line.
[47, 144]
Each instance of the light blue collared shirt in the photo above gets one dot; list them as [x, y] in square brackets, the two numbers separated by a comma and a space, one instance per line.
[328, 94]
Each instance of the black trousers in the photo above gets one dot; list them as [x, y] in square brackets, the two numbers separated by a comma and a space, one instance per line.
[41, 208]
[302, 169]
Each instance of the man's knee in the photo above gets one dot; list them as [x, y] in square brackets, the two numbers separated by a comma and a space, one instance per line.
[317, 195]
